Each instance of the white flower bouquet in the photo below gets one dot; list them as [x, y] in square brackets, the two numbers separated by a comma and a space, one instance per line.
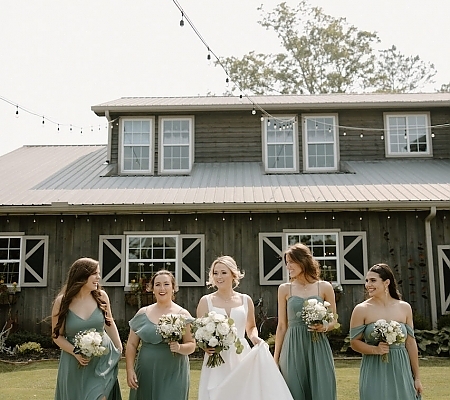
[216, 331]
[314, 312]
[89, 344]
[388, 332]
[172, 327]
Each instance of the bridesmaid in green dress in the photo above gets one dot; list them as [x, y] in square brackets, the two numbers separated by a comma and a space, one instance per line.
[397, 376]
[82, 305]
[307, 365]
[161, 370]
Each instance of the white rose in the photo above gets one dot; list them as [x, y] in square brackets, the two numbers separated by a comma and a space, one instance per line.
[326, 304]
[223, 328]
[312, 302]
[213, 342]
[210, 327]
[390, 338]
[219, 318]
[229, 340]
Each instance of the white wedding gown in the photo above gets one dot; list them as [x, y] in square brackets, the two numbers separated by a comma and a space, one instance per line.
[251, 375]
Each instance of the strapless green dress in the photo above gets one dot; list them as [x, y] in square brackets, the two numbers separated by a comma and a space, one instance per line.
[96, 380]
[390, 380]
[161, 374]
[306, 365]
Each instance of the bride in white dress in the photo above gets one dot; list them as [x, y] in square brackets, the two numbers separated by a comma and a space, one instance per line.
[252, 374]
[225, 276]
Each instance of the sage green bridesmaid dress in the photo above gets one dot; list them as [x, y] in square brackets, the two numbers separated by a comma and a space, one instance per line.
[385, 380]
[306, 365]
[96, 380]
[161, 374]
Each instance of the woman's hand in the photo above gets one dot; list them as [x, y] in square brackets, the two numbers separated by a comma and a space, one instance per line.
[256, 340]
[132, 379]
[382, 348]
[82, 360]
[174, 347]
[210, 350]
[418, 386]
[318, 328]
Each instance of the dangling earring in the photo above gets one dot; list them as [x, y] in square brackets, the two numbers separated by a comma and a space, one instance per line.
[386, 291]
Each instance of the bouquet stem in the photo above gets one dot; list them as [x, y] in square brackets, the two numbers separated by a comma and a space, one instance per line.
[385, 357]
[214, 360]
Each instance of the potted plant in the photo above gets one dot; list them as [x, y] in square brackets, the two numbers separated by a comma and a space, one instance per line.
[7, 293]
[139, 294]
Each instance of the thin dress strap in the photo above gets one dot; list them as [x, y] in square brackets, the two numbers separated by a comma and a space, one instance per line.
[290, 289]
[318, 288]
[208, 300]
[245, 302]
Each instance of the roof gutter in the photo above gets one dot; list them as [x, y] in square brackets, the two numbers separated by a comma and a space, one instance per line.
[430, 264]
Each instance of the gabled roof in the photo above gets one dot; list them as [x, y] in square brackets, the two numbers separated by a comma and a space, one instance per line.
[278, 102]
[49, 179]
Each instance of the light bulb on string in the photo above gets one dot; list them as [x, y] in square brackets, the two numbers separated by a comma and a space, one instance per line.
[361, 135]
[253, 111]
[70, 127]
[432, 134]
[17, 111]
[58, 127]
[182, 20]
[208, 57]
[43, 121]
[344, 133]
[382, 137]
[262, 118]
[227, 82]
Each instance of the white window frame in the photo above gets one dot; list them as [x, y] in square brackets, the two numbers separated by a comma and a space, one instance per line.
[408, 153]
[334, 130]
[14, 260]
[190, 119]
[290, 120]
[150, 146]
[335, 257]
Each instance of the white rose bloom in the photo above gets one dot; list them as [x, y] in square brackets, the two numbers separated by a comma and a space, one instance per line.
[213, 342]
[210, 327]
[390, 338]
[219, 318]
[223, 328]
[234, 330]
[312, 302]
[326, 304]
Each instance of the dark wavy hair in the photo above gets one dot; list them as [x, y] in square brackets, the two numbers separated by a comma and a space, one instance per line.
[301, 254]
[79, 273]
[385, 272]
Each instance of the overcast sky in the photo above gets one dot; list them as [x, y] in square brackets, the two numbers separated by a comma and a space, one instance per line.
[60, 57]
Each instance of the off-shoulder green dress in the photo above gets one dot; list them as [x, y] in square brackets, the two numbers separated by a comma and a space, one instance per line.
[161, 374]
[379, 379]
[306, 365]
[96, 380]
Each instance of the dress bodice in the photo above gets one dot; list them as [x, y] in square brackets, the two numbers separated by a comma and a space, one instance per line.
[75, 324]
[295, 307]
[237, 314]
[367, 330]
[145, 329]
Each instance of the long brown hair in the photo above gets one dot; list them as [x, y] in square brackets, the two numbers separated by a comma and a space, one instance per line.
[79, 273]
[385, 272]
[301, 254]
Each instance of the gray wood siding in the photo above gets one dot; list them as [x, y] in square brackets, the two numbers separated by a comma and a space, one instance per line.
[398, 241]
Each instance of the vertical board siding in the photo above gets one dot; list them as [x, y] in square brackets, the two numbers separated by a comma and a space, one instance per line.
[398, 241]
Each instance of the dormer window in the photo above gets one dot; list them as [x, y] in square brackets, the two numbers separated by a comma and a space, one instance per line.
[137, 145]
[280, 148]
[176, 138]
[320, 144]
[407, 134]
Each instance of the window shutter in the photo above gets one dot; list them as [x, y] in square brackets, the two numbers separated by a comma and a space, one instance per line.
[191, 265]
[271, 266]
[444, 277]
[111, 260]
[34, 261]
[353, 257]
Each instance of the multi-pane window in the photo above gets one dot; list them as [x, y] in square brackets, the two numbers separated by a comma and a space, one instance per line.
[148, 254]
[407, 135]
[320, 143]
[10, 259]
[280, 144]
[324, 247]
[137, 145]
[176, 144]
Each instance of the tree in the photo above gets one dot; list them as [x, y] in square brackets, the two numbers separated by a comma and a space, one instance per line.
[323, 54]
[396, 73]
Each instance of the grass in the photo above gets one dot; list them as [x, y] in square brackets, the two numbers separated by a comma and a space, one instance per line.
[37, 380]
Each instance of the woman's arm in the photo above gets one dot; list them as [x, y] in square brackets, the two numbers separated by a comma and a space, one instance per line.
[61, 340]
[250, 328]
[357, 319]
[111, 330]
[411, 348]
[130, 356]
[282, 320]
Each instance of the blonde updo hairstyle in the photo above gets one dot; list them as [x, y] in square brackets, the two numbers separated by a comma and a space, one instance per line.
[231, 265]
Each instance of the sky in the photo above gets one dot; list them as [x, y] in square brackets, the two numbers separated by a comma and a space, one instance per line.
[60, 57]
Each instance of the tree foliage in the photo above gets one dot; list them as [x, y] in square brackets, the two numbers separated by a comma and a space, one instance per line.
[323, 54]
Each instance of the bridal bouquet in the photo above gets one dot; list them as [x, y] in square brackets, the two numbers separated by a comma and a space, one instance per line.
[389, 332]
[217, 331]
[89, 344]
[315, 312]
[172, 327]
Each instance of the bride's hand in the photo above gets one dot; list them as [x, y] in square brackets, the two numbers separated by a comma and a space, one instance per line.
[256, 340]
[210, 351]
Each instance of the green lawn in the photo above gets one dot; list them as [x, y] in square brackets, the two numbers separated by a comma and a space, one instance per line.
[37, 380]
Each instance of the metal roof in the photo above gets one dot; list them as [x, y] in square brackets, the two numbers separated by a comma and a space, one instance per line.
[276, 102]
[48, 179]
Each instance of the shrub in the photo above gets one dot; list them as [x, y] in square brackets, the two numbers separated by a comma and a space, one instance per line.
[29, 347]
[17, 338]
[421, 322]
[433, 342]
[443, 321]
